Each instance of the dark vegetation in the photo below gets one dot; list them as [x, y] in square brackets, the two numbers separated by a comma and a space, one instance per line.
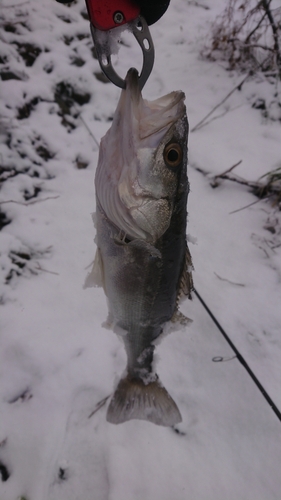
[66, 96]
[4, 472]
[26, 152]
[247, 36]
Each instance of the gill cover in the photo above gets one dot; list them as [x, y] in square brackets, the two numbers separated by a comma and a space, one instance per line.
[134, 186]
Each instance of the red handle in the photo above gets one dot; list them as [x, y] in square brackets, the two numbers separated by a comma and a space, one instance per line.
[108, 14]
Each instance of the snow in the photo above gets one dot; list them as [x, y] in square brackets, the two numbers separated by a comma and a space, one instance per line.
[57, 361]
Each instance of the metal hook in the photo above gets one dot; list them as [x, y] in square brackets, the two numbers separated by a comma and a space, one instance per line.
[142, 34]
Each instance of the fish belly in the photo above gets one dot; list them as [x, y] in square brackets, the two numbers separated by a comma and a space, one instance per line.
[141, 282]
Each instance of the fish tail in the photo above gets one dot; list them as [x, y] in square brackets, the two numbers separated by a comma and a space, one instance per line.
[135, 398]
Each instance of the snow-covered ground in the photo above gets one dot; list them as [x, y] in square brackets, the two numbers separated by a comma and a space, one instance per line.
[57, 361]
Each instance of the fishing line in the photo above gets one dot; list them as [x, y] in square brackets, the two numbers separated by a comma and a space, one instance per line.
[240, 358]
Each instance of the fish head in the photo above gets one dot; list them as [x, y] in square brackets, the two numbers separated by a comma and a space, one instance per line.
[142, 162]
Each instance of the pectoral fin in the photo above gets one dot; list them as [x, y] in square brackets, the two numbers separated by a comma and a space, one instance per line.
[96, 276]
[143, 245]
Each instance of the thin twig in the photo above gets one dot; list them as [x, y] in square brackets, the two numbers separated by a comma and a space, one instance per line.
[229, 169]
[259, 46]
[246, 206]
[255, 29]
[211, 120]
[217, 116]
[99, 405]
[244, 182]
[15, 5]
[228, 281]
[258, 187]
[40, 268]
[222, 102]
[25, 204]
[197, 4]
[89, 130]
[274, 28]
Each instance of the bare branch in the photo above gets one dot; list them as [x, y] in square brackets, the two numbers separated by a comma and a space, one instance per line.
[260, 189]
[241, 30]
[243, 208]
[199, 124]
[25, 204]
[228, 281]
[229, 169]
[255, 29]
[40, 268]
[89, 130]
[274, 28]
[99, 405]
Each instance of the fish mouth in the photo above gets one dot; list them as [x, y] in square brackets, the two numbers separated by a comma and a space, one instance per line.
[153, 117]
[132, 85]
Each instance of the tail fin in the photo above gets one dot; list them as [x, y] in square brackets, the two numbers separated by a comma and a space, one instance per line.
[135, 399]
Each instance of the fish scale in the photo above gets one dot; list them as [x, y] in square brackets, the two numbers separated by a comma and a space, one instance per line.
[142, 260]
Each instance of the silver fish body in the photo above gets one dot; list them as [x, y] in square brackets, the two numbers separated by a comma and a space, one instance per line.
[142, 259]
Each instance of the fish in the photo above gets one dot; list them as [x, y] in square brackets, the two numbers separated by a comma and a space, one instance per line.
[142, 259]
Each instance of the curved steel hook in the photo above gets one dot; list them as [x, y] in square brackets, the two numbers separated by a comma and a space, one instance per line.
[142, 34]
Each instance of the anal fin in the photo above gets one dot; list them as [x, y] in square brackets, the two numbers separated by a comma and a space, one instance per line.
[179, 317]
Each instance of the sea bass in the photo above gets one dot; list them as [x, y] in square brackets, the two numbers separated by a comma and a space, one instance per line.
[142, 258]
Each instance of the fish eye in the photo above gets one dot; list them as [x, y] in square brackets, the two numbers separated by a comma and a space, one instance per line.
[173, 154]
